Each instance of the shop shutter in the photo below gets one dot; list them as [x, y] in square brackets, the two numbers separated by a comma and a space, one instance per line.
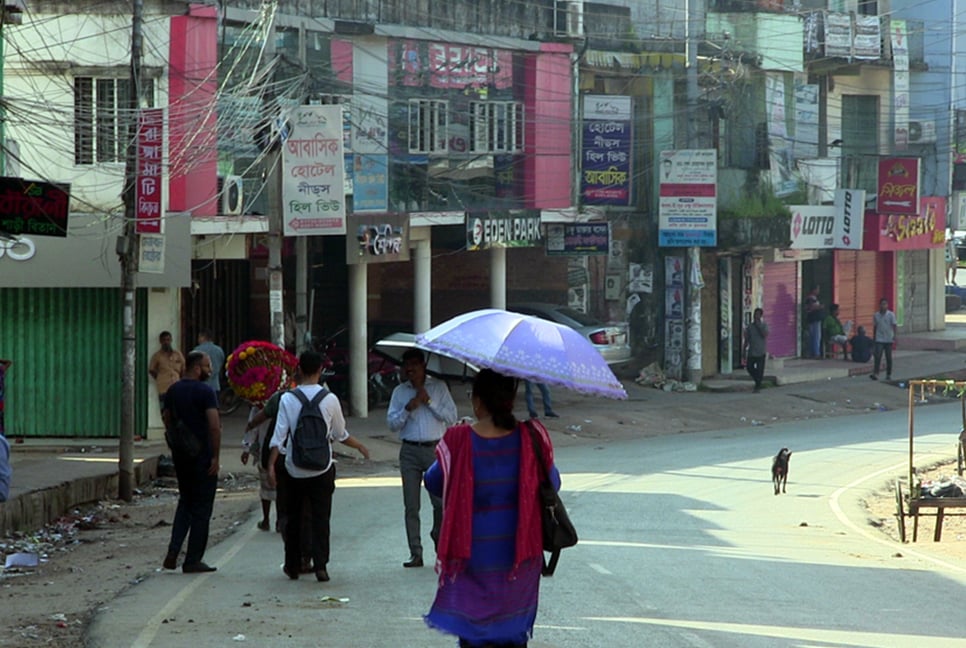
[860, 279]
[781, 304]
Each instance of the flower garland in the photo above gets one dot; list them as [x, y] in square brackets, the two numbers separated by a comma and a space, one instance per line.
[257, 369]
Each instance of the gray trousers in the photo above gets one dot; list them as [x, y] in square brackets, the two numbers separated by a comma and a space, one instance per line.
[414, 460]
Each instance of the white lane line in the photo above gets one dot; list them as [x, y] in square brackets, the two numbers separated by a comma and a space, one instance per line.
[875, 537]
[600, 569]
[151, 628]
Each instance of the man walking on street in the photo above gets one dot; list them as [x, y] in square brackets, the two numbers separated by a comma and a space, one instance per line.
[194, 404]
[755, 343]
[217, 355]
[420, 410]
[167, 365]
[884, 335]
[302, 484]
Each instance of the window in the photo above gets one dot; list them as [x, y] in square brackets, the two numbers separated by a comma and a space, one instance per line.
[428, 119]
[101, 118]
[496, 127]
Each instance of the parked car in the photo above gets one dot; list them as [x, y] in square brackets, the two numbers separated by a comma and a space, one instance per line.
[611, 338]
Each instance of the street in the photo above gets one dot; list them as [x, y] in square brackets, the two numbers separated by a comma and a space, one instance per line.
[682, 544]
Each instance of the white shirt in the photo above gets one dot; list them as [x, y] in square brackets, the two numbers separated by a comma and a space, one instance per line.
[289, 408]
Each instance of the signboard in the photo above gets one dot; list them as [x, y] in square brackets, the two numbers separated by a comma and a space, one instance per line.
[591, 239]
[449, 66]
[688, 202]
[806, 120]
[849, 220]
[606, 151]
[313, 173]
[900, 82]
[495, 229]
[33, 207]
[887, 232]
[377, 238]
[370, 183]
[898, 187]
[148, 186]
[151, 253]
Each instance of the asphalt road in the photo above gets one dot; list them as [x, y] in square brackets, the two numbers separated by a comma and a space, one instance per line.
[682, 544]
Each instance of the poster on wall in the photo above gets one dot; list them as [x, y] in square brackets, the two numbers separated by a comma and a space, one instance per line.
[688, 205]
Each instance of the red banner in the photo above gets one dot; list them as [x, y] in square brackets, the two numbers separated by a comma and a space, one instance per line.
[889, 232]
[150, 157]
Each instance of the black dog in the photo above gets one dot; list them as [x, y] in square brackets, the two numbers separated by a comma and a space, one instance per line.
[779, 469]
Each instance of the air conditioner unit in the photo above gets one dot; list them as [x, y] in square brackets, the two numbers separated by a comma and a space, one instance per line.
[230, 196]
[569, 18]
[922, 132]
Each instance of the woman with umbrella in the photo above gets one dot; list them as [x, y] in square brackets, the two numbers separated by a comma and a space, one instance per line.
[490, 550]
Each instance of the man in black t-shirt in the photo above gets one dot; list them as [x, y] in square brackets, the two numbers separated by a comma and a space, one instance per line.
[861, 346]
[194, 403]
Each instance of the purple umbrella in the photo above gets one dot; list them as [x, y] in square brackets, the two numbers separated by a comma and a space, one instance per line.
[525, 347]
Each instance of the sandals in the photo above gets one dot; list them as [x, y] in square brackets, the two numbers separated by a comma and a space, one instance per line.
[263, 526]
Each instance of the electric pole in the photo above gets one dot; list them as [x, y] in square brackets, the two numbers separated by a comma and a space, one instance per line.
[126, 246]
[693, 329]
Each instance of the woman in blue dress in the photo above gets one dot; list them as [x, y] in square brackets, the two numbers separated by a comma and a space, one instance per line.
[490, 549]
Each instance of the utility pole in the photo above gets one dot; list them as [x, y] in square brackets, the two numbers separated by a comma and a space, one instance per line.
[693, 330]
[273, 159]
[126, 245]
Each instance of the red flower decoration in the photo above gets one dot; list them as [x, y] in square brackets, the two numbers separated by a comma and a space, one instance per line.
[257, 369]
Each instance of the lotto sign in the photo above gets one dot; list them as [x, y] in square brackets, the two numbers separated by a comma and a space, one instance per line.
[150, 153]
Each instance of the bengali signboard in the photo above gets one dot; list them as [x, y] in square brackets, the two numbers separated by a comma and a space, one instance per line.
[578, 239]
[887, 232]
[148, 186]
[377, 238]
[33, 207]
[606, 151]
[503, 229]
[898, 187]
[313, 173]
[688, 202]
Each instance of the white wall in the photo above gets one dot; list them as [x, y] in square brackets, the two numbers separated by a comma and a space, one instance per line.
[164, 314]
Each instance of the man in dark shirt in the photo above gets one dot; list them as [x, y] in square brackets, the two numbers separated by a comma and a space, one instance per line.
[861, 346]
[196, 405]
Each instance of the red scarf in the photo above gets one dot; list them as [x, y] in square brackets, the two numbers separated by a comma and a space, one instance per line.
[455, 455]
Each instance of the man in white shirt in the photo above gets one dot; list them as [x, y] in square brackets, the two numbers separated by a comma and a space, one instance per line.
[312, 486]
[885, 326]
[419, 411]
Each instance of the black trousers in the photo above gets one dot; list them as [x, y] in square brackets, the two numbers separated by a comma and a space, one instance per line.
[316, 493]
[282, 486]
[756, 369]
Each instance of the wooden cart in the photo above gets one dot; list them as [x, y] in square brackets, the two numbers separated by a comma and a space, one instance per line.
[912, 504]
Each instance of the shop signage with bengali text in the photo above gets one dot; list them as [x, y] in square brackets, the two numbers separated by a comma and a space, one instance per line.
[313, 173]
[503, 229]
[33, 207]
[578, 239]
[898, 186]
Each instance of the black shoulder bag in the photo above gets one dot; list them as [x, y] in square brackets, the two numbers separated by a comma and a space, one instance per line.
[558, 531]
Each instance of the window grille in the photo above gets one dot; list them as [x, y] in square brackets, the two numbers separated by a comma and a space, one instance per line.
[428, 121]
[102, 118]
[496, 127]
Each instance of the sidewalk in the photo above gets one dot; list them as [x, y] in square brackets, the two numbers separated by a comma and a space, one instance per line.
[53, 475]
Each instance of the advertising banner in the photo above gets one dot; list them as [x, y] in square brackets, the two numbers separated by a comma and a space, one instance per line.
[606, 151]
[888, 232]
[590, 239]
[898, 187]
[378, 238]
[503, 229]
[313, 170]
[33, 207]
[148, 186]
[688, 204]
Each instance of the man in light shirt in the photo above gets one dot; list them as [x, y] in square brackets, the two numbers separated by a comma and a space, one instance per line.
[301, 485]
[884, 329]
[420, 410]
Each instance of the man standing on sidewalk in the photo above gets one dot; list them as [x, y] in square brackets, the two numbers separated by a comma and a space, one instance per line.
[884, 334]
[167, 365]
[217, 355]
[420, 410]
[195, 404]
[755, 340]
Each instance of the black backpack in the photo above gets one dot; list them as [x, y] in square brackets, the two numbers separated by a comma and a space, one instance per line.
[310, 447]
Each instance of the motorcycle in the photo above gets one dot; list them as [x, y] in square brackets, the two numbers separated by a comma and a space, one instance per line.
[382, 374]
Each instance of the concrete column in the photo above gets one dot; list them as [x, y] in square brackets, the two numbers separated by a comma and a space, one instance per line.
[358, 340]
[422, 284]
[498, 277]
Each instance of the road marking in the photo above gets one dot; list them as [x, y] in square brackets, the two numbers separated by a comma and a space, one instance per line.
[874, 537]
[151, 628]
[599, 569]
[787, 633]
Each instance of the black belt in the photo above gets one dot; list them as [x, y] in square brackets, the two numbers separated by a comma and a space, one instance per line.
[421, 444]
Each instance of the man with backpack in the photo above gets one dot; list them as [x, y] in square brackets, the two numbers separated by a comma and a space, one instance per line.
[309, 419]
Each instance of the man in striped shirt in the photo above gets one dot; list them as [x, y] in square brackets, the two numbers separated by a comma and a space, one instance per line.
[420, 410]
